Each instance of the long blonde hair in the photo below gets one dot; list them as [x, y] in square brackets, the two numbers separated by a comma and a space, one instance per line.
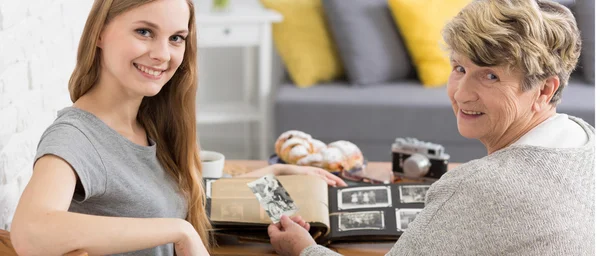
[169, 117]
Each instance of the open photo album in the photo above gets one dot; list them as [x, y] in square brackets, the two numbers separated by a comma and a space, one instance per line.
[244, 207]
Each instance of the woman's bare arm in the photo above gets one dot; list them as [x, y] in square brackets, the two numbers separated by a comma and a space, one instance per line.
[290, 169]
[43, 226]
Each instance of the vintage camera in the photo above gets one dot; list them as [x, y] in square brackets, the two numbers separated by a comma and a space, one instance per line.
[413, 158]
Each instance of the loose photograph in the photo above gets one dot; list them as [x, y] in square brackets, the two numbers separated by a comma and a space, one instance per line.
[364, 197]
[372, 220]
[405, 217]
[273, 197]
[413, 193]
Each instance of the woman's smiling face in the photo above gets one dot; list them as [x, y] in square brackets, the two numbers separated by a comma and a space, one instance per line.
[488, 101]
[143, 48]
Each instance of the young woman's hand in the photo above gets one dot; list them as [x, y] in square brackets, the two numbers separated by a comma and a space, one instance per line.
[289, 169]
[189, 243]
[290, 236]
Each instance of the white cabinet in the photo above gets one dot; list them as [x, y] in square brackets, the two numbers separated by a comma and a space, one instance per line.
[220, 35]
[249, 29]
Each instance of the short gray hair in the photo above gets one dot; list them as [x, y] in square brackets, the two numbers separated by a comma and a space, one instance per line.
[540, 38]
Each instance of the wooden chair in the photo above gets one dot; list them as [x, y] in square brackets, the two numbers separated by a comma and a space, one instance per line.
[6, 248]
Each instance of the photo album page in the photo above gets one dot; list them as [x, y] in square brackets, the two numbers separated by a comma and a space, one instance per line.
[374, 212]
[246, 206]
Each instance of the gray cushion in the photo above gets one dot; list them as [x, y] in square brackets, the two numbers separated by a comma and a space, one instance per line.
[368, 42]
[373, 117]
[584, 13]
[578, 100]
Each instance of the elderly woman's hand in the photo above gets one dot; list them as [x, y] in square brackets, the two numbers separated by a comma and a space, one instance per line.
[289, 169]
[290, 236]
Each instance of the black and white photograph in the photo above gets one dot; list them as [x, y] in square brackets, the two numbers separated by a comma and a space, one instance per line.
[364, 197]
[273, 197]
[405, 217]
[413, 193]
[361, 220]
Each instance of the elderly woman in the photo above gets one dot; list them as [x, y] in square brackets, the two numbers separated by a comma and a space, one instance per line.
[533, 194]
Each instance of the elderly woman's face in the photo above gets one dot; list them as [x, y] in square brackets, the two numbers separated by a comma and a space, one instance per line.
[487, 101]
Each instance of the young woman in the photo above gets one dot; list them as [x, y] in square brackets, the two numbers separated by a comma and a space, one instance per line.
[119, 171]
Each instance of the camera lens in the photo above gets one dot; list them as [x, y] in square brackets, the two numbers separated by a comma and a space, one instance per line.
[416, 166]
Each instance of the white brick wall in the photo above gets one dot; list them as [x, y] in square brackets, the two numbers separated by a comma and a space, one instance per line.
[38, 46]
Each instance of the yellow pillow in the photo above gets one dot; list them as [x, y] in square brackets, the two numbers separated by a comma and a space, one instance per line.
[420, 23]
[304, 42]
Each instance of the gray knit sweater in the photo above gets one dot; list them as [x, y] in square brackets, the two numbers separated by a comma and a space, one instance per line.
[521, 200]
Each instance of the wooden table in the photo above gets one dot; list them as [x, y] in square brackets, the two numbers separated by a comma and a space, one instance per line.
[229, 246]
[5, 245]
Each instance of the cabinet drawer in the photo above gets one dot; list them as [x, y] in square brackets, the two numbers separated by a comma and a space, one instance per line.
[228, 35]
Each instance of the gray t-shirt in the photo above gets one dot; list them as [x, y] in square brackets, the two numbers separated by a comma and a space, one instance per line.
[116, 176]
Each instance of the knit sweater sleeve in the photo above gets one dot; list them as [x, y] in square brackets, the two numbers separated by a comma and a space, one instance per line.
[318, 250]
[509, 203]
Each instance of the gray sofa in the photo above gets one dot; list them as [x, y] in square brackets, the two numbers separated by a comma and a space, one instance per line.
[372, 117]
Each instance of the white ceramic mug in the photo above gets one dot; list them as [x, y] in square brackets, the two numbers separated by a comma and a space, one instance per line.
[212, 164]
